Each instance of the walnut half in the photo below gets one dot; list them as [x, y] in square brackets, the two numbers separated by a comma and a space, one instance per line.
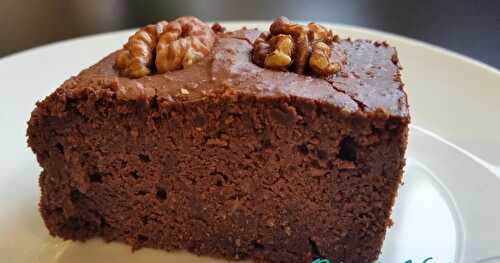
[319, 61]
[165, 46]
[294, 47]
[185, 41]
[137, 56]
[281, 57]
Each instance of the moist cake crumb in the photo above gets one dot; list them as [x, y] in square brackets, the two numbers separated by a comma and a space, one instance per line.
[226, 158]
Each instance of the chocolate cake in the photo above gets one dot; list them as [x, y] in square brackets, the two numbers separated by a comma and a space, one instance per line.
[279, 146]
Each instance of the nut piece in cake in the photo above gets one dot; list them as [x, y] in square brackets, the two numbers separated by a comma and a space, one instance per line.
[319, 61]
[165, 46]
[298, 48]
[185, 41]
[281, 57]
[137, 56]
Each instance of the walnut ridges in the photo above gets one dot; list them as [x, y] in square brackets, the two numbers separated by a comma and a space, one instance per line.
[165, 46]
[185, 41]
[301, 49]
[137, 56]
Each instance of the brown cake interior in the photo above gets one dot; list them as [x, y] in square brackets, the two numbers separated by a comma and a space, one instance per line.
[217, 177]
[226, 158]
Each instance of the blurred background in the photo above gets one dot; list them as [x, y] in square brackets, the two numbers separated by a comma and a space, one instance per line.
[468, 27]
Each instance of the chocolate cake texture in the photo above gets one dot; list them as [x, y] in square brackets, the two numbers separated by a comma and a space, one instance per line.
[188, 139]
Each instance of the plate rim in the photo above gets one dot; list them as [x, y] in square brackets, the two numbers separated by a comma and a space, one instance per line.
[462, 251]
[491, 169]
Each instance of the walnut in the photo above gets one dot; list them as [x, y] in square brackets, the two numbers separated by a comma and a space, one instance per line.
[137, 55]
[319, 61]
[165, 46]
[281, 57]
[282, 25]
[320, 33]
[303, 49]
[185, 41]
[261, 48]
[301, 41]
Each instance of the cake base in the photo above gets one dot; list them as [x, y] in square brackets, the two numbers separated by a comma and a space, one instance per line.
[238, 177]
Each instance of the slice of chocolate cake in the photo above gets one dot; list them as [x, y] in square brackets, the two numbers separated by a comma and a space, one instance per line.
[281, 146]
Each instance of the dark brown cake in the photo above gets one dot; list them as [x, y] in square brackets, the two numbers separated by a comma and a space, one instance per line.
[226, 158]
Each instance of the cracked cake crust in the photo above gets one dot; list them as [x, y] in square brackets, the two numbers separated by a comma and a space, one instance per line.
[228, 159]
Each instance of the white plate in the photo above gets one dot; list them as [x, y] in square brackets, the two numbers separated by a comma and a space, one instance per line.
[448, 208]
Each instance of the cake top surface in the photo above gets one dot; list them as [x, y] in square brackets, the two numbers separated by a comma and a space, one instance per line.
[368, 81]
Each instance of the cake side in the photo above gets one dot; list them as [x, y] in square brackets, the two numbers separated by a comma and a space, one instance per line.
[262, 179]
[225, 158]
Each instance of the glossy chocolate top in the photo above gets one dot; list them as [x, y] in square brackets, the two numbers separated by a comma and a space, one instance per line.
[369, 82]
